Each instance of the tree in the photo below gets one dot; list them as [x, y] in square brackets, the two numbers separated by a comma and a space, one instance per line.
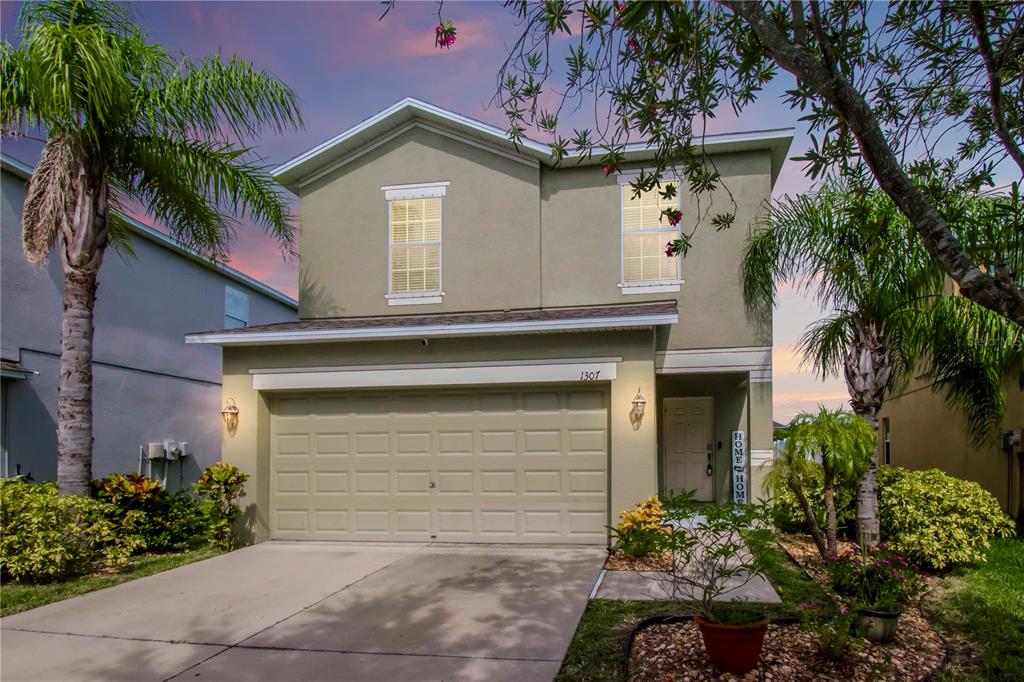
[843, 443]
[127, 121]
[902, 92]
[857, 256]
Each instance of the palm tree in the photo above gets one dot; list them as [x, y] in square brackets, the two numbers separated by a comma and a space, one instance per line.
[843, 443]
[125, 122]
[861, 260]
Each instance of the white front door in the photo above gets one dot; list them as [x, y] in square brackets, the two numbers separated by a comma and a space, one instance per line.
[689, 446]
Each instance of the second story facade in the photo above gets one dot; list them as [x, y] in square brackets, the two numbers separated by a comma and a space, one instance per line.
[420, 207]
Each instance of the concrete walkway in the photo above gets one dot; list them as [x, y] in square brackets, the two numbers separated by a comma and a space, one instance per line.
[651, 585]
[312, 611]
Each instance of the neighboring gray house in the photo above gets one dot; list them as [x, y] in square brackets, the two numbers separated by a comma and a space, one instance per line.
[148, 385]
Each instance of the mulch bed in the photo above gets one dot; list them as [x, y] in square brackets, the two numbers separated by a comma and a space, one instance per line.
[675, 652]
[617, 561]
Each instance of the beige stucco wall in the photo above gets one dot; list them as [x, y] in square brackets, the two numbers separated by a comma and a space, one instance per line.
[925, 434]
[633, 451]
[581, 254]
[490, 232]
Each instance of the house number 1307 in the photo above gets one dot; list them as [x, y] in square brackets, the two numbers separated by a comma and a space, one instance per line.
[589, 376]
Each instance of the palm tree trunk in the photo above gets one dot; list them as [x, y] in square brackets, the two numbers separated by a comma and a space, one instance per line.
[84, 241]
[812, 522]
[867, 372]
[832, 521]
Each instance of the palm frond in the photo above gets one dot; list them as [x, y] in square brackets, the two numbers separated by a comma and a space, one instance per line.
[968, 353]
[188, 184]
[205, 96]
[49, 199]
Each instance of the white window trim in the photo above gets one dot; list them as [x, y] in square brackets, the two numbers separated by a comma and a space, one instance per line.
[663, 286]
[422, 190]
[659, 286]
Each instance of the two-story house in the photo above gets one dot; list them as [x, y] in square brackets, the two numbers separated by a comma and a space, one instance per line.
[148, 385]
[495, 348]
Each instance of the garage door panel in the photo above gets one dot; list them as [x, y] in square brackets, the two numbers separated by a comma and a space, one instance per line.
[488, 465]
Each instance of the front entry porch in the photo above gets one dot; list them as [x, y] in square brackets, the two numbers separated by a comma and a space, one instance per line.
[698, 414]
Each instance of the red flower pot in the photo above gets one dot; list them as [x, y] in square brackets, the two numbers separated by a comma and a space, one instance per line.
[732, 648]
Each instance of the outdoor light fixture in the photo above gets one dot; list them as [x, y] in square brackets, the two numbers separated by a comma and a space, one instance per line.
[230, 415]
[639, 402]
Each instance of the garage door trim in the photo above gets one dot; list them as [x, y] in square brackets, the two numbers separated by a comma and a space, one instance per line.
[576, 370]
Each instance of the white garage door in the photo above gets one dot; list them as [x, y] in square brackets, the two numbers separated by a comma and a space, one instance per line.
[476, 465]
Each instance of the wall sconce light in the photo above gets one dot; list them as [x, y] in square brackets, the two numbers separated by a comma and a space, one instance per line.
[637, 414]
[230, 415]
[639, 402]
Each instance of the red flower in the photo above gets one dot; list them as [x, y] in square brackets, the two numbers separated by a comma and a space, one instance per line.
[674, 217]
[608, 170]
[669, 250]
[632, 45]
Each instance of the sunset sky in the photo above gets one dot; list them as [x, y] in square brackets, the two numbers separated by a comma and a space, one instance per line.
[346, 65]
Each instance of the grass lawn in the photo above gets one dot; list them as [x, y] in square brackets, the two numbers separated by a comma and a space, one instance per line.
[983, 607]
[16, 597]
[598, 650]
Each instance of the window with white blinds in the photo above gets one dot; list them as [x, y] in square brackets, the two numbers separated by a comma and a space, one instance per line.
[645, 234]
[415, 227]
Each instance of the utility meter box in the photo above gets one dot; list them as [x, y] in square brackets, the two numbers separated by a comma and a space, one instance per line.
[155, 451]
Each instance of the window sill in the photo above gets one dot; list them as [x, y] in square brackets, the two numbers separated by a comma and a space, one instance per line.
[665, 287]
[414, 299]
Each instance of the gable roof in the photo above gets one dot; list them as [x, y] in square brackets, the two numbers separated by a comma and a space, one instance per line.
[411, 112]
[24, 171]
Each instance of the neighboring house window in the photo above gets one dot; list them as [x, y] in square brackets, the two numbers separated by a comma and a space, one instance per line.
[236, 308]
[414, 243]
[645, 234]
[887, 439]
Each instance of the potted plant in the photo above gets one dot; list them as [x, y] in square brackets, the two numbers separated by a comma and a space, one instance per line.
[878, 584]
[710, 564]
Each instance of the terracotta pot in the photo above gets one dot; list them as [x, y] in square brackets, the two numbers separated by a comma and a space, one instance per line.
[732, 648]
[878, 626]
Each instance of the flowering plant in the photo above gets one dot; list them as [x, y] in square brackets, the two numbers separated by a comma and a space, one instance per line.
[882, 580]
[639, 527]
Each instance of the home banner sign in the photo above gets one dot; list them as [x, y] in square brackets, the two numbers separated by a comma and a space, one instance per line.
[739, 467]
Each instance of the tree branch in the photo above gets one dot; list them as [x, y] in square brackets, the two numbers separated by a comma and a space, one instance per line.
[995, 82]
[852, 108]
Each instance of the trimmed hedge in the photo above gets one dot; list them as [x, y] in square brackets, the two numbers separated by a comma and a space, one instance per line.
[936, 519]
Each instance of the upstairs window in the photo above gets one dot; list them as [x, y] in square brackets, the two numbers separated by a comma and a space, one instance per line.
[236, 308]
[414, 243]
[645, 234]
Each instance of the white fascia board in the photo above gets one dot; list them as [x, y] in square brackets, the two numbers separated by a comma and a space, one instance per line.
[413, 105]
[511, 373]
[428, 331]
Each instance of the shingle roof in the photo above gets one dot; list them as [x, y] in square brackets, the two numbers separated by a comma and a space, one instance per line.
[484, 322]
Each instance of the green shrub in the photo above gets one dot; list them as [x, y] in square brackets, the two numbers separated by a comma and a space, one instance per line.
[221, 486]
[789, 517]
[936, 519]
[46, 536]
[168, 522]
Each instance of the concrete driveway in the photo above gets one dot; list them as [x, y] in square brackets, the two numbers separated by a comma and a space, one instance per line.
[312, 611]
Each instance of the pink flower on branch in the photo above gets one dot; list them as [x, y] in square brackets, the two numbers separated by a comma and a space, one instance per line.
[444, 34]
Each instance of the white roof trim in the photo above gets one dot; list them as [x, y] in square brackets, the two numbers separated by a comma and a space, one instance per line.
[526, 150]
[24, 171]
[428, 331]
